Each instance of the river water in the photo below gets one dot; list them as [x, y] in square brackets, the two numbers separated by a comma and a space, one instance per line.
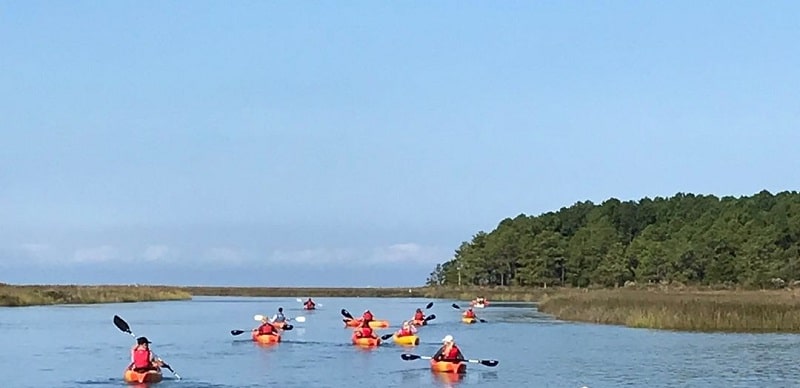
[78, 346]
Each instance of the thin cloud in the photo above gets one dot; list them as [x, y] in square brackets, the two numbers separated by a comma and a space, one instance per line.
[158, 253]
[96, 254]
[224, 255]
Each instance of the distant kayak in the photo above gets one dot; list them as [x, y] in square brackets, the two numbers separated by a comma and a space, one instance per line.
[266, 338]
[406, 340]
[468, 320]
[375, 324]
[152, 376]
[419, 322]
[448, 367]
[309, 307]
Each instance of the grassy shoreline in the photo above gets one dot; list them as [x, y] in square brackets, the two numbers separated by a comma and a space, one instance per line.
[651, 307]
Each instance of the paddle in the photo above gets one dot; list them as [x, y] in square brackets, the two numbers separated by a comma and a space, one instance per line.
[409, 357]
[430, 304]
[455, 306]
[125, 328]
[429, 318]
[346, 314]
[259, 317]
[386, 336]
[285, 327]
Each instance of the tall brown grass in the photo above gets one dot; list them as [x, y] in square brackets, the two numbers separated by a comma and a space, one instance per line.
[726, 311]
[31, 295]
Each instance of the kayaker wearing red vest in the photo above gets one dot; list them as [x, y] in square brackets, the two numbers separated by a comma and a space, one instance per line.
[419, 315]
[266, 328]
[142, 359]
[407, 329]
[449, 351]
[469, 313]
[310, 305]
[365, 331]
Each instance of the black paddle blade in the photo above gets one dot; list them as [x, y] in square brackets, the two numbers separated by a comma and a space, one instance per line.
[287, 327]
[386, 336]
[121, 324]
[482, 320]
[455, 306]
[409, 357]
[430, 304]
[346, 314]
[490, 362]
[430, 317]
[237, 332]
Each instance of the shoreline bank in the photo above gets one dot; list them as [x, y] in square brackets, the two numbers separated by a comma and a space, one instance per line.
[704, 310]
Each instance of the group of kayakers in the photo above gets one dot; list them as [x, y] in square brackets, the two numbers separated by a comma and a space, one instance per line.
[142, 359]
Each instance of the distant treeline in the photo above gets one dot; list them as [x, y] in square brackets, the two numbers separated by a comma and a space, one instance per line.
[691, 239]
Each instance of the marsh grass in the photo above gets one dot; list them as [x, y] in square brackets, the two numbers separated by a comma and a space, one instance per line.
[31, 295]
[723, 311]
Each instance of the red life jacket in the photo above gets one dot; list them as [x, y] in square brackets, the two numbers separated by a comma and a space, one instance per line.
[469, 314]
[265, 329]
[419, 316]
[452, 354]
[141, 358]
[366, 332]
[404, 332]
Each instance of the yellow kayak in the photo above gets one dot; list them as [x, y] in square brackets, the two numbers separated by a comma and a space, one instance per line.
[468, 320]
[406, 340]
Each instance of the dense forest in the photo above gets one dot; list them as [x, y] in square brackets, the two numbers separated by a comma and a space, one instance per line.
[691, 239]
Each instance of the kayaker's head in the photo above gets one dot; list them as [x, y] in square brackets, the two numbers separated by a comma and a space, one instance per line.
[143, 341]
[448, 339]
[280, 309]
[469, 309]
[419, 310]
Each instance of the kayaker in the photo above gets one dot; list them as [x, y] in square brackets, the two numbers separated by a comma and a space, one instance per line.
[367, 316]
[469, 313]
[419, 315]
[407, 329]
[365, 331]
[266, 328]
[142, 359]
[310, 305]
[480, 300]
[449, 351]
[279, 317]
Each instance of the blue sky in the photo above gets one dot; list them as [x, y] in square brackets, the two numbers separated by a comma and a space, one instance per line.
[358, 143]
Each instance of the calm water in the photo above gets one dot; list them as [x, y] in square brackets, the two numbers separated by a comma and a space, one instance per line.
[78, 346]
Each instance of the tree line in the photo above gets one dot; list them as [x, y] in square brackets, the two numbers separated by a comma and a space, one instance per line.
[692, 239]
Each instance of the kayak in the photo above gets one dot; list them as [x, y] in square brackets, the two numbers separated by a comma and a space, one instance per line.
[266, 338]
[280, 325]
[151, 376]
[468, 320]
[449, 367]
[479, 305]
[406, 340]
[366, 341]
[375, 324]
[309, 307]
[419, 322]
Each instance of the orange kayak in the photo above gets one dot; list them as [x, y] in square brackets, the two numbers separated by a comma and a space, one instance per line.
[366, 341]
[375, 324]
[419, 322]
[309, 307]
[266, 338]
[448, 367]
[151, 376]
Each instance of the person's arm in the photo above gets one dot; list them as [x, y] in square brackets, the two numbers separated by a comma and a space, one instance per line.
[459, 356]
[274, 318]
[413, 329]
[438, 356]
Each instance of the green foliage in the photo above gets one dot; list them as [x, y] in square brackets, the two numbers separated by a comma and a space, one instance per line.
[689, 239]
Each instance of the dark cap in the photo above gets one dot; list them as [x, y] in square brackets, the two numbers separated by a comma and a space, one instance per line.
[142, 341]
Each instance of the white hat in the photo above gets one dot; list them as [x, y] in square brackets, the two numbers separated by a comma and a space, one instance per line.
[448, 338]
